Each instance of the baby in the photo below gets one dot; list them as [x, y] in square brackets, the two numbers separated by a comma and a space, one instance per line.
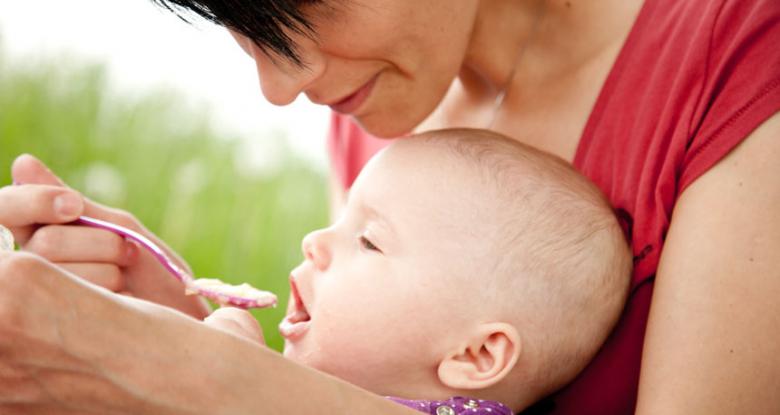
[468, 273]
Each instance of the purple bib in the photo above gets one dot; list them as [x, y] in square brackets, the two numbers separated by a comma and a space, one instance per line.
[456, 406]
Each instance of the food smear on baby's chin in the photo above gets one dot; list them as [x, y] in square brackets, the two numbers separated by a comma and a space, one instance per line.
[243, 295]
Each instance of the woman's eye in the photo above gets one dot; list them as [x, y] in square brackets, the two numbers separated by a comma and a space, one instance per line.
[368, 244]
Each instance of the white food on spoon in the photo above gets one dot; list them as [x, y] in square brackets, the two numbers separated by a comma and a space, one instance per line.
[222, 289]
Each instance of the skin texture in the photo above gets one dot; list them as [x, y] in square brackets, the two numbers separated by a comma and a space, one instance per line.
[708, 346]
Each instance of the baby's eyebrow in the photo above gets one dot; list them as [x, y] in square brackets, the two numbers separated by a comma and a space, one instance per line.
[376, 215]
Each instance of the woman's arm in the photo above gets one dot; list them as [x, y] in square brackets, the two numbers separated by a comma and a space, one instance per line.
[67, 347]
[713, 336]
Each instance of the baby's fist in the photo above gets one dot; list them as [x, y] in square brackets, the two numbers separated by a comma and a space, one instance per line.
[236, 321]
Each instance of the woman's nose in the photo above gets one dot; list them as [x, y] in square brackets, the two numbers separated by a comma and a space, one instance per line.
[282, 80]
[316, 249]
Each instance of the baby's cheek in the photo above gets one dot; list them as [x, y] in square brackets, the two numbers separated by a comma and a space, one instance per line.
[344, 330]
[369, 360]
[370, 338]
[366, 334]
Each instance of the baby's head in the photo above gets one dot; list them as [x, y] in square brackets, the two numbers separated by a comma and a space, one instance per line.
[464, 263]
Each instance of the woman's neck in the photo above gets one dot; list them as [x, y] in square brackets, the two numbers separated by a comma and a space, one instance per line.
[562, 35]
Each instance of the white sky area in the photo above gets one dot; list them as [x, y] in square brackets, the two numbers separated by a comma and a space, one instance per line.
[144, 47]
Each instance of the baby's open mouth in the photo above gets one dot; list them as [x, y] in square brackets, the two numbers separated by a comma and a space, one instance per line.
[297, 320]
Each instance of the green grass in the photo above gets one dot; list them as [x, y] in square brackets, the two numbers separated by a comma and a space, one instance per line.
[160, 159]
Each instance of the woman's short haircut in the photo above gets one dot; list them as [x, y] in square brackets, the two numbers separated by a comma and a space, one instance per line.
[269, 23]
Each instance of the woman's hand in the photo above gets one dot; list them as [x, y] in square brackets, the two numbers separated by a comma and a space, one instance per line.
[68, 347]
[37, 212]
[50, 358]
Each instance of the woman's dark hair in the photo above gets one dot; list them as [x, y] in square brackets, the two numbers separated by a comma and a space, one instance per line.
[266, 22]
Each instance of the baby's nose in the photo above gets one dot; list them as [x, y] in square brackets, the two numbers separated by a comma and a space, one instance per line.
[315, 249]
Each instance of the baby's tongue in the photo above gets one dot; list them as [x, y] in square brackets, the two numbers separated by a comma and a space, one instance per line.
[298, 316]
[294, 324]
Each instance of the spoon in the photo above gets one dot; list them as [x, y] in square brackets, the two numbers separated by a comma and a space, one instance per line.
[242, 296]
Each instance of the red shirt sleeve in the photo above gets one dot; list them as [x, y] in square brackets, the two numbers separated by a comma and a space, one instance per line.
[742, 86]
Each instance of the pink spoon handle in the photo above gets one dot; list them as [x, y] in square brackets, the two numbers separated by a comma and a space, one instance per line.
[260, 300]
[155, 250]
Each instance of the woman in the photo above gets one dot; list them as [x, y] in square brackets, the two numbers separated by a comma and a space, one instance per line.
[671, 107]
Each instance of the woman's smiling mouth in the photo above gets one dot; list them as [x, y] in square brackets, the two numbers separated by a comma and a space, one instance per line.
[353, 102]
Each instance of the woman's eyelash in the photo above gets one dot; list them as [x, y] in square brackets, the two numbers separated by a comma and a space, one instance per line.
[368, 244]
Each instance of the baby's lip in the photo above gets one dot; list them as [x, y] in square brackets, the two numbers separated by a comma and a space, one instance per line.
[297, 320]
[298, 303]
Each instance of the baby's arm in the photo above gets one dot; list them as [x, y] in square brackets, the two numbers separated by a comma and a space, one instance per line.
[237, 322]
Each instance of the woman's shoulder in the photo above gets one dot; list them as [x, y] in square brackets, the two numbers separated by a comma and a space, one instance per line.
[695, 77]
[721, 23]
[693, 80]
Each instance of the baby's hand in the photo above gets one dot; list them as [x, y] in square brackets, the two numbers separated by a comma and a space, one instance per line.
[236, 321]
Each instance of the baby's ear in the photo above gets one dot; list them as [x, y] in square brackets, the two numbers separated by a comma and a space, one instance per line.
[489, 355]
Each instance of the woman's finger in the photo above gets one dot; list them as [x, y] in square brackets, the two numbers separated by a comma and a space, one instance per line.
[105, 275]
[73, 243]
[27, 169]
[23, 206]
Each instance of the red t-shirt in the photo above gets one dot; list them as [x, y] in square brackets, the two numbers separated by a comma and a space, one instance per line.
[694, 78]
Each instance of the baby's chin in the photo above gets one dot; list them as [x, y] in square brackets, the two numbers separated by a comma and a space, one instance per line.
[291, 352]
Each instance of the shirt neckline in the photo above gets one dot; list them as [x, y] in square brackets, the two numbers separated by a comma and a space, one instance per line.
[618, 67]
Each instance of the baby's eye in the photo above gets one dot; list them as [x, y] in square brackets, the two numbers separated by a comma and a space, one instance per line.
[366, 244]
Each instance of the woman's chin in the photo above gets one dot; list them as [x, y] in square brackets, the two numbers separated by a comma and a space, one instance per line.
[382, 125]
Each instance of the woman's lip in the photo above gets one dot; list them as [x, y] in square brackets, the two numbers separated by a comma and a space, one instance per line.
[352, 103]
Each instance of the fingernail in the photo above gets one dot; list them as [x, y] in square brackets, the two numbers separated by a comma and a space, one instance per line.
[68, 204]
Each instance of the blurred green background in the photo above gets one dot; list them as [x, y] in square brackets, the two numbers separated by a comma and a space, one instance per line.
[158, 157]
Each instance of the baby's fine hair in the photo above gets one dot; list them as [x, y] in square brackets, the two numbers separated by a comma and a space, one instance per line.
[562, 264]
